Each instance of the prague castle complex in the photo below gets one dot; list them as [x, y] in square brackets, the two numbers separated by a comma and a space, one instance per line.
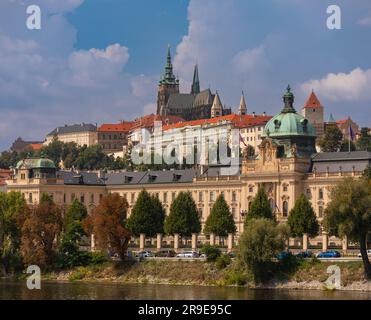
[286, 165]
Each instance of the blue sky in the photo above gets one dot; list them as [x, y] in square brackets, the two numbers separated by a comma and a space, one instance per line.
[100, 60]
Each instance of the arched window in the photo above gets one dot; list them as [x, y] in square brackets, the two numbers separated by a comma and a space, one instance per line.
[285, 187]
[285, 208]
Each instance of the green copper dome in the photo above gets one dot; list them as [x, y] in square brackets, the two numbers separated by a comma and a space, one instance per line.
[35, 163]
[288, 122]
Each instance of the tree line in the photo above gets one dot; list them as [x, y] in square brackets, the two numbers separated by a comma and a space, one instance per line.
[51, 236]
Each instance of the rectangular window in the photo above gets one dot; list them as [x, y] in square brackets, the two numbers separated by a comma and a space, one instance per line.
[165, 197]
[82, 198]
[73, 196]
[173, 195]
[92, 198]
[132, 197]
[234, 196]
[200, 196]
[212, 196]
[320, 194]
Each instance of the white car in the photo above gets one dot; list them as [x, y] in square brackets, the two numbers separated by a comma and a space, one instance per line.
[144, 254]
[368, 253]
[188, 254]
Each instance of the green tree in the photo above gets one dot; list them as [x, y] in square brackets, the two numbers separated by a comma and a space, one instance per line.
[183, 218]
[260, 242]
[302, 218]
[349, 214]
[332, 140]
[345, 146]
[220, 221]
[11, 205]
[147, 216]
[260, 207]
[69, 249]
[367, 173]
[364, 141]
[53, 151]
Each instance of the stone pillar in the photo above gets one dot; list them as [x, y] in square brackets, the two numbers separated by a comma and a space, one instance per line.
[194, 241]
[305, 241]
[142, 241]
[230, 242]
[92, 242]
[159, 241]
[324, 241]
[345, 244]
[212, 239]
[176, 241]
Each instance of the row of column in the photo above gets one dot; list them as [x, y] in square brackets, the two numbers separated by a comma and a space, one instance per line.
[142, 240]
[324, 242]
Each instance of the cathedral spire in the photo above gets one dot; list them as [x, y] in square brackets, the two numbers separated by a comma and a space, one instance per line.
[196, 82]
[168, 77]
[242, 109]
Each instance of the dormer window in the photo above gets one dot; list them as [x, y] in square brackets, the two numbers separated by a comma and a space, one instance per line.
[128, 179]
[277, 124]
[152, 178]
[176, 177]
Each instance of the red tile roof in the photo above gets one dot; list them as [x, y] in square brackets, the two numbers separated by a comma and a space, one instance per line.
[124, 126]
[149, 120]
[313, 101]
[36, 146]
[237, 120]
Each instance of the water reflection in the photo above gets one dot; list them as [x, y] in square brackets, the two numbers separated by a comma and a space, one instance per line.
[85, 291]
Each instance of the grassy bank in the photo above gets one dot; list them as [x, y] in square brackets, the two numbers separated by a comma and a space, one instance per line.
[306, 275]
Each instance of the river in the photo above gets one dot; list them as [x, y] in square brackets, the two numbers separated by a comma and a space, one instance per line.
[11, 290]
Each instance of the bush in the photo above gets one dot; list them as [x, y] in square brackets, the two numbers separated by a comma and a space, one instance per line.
[212, 253]
[236, 278]
[97, 258]
[79, 274]
[223, 261]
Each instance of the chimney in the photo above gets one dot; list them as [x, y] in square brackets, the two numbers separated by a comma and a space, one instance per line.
[254, 114]
[264, 113]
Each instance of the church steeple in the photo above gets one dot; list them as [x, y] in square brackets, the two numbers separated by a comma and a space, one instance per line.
[168, 84]
[196, 82]
[168, 77]
[242, 109]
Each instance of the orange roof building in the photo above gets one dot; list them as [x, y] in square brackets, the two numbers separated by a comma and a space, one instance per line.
[114, 137]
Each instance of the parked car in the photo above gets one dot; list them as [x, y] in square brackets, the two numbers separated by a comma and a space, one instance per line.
[304, 254]
[166, 254]
[283, 255]
[329, 254]
[188, 254]
[368, 253]
[144, 254]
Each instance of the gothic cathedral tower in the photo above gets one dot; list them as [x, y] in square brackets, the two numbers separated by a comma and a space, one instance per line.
[168, 85]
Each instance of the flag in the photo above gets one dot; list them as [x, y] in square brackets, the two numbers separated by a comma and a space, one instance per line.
[351, 133]
[241, 140]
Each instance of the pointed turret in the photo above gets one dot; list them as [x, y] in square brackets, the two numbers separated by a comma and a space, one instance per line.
[196, 82]
[313, 101]
[331, 119]
[242, 109]
[217, 107]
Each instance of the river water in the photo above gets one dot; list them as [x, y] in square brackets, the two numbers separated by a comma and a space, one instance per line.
[11, 290]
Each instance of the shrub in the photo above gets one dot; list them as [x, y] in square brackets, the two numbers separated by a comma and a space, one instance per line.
[236, 277]
[223, 261]
[97, 258]
[211, 252]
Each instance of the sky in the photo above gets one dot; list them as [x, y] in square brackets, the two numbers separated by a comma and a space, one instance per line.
[99, 61]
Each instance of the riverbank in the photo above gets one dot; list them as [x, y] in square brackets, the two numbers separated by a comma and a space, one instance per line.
[309, 275]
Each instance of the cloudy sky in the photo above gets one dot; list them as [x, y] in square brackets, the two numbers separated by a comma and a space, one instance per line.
[99, 61]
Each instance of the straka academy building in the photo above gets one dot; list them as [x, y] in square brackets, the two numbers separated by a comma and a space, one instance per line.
[287, 165]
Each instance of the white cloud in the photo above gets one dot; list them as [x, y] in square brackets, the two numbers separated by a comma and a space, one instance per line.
[352, 86]
[143, 86]
[249, 59]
